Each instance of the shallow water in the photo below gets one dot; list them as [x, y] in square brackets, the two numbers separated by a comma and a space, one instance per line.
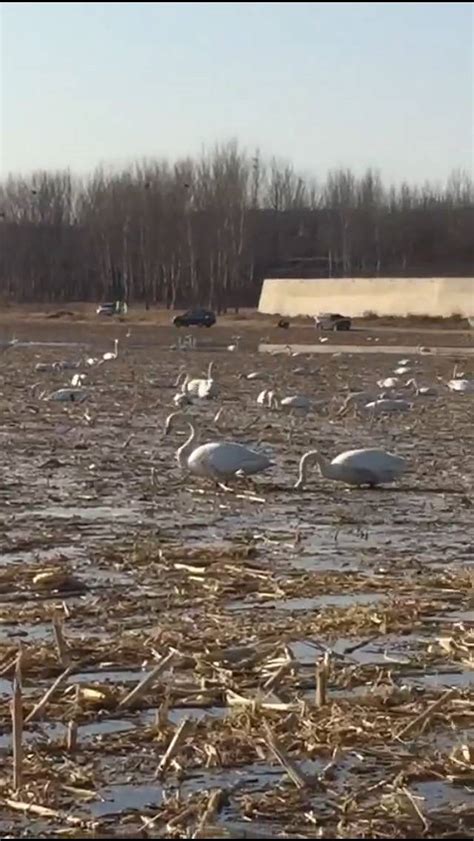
[313, 603]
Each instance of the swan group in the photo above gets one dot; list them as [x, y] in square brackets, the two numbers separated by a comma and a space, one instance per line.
[199, 388]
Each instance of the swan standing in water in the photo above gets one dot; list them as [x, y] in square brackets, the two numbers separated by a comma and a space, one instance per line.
[78, 379]
[201, 388]
[355, 467]
[465, 386]
[296, 402]
[218, 461]
[421, 390]
[68, 395]
[375, 405]
[264, 399]
[107, 357]
[237, 343]
[356, 399]
[389, 382]
[387, 406]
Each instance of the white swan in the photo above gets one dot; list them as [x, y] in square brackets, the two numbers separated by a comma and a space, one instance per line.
[296, 401]
[354, 467]
[465, 386]
[266, 398]
[217, 460]
[356, 399]
[389, 382]
[68, 395]
[402, 369]
[262, 397]
[107, 357]
[199, 387]
[237, 343]
[78, 379]
[457, 374]
[47, 366]
[423, 390]
[384, 405]
[363, 399]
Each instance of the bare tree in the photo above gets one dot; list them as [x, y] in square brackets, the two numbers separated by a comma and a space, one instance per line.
[208, 230]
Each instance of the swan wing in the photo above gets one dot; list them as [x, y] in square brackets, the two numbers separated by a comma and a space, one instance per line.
[362, 476]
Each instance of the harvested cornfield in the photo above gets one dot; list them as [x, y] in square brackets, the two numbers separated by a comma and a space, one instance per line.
[177, 660]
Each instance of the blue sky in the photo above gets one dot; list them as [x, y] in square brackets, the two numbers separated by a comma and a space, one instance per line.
[321, 84]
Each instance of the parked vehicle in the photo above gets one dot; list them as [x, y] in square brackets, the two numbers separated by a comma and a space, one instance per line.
[195, 318]
[114, 308]
[332, 321]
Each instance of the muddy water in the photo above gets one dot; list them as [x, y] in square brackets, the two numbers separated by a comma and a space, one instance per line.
[85, 487]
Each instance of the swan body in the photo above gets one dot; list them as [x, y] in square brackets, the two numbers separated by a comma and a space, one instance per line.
[402, 369]
[68, 395]
[465, 386]
[423, 390]
[46, 366]
[107, 357]
[218, 460]
[296, 401]
[355, 467]
[386, 405]
[389, 382]
[207, 389]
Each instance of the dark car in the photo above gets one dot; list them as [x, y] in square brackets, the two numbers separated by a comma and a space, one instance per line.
[332, 321]
[195, 318]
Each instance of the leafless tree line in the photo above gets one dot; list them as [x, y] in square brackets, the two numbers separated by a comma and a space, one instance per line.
[207, 231]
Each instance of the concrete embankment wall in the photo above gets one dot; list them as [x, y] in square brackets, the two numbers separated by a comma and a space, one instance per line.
[434, 296]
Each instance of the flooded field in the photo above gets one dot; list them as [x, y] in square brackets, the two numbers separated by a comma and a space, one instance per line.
[187, 661]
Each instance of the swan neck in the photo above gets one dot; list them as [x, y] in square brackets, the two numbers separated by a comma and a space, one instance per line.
[185, 450]
[313, 457]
